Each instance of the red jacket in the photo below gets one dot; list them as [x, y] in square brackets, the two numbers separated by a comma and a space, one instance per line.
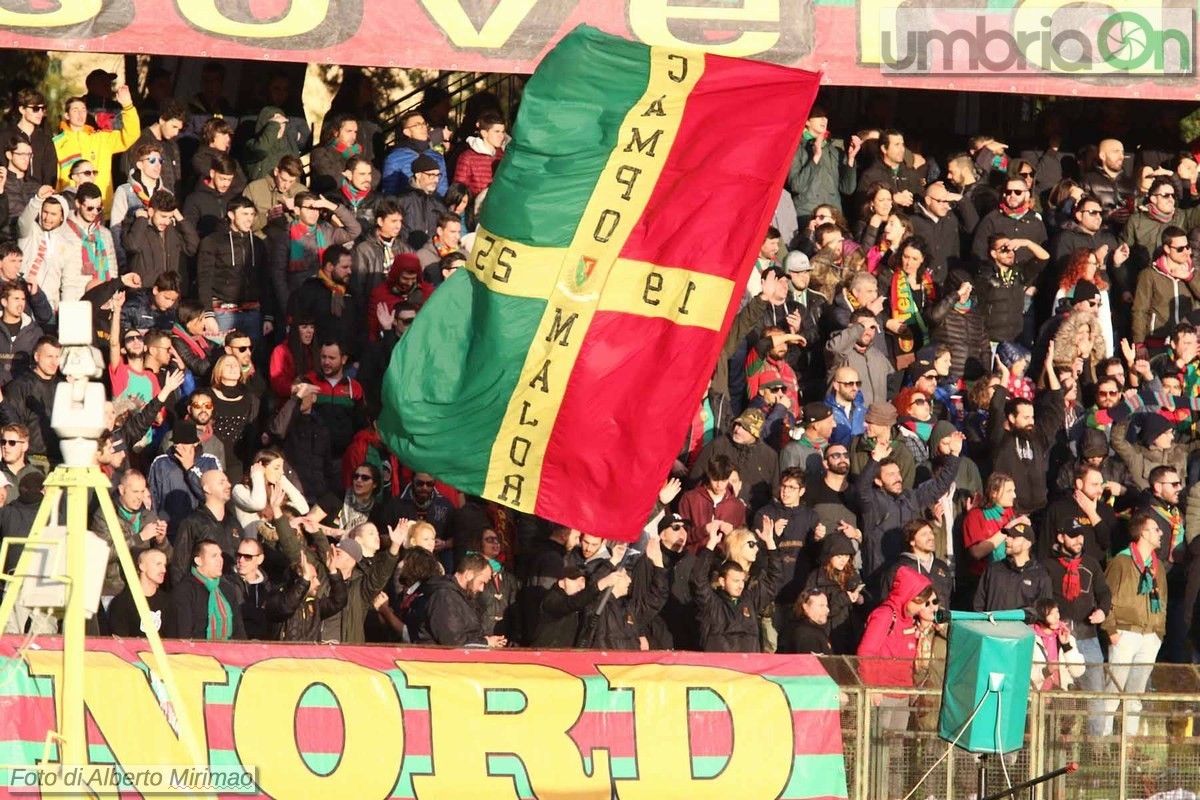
[390, 295]
[892, 634]
[475, 167]
[696, 505]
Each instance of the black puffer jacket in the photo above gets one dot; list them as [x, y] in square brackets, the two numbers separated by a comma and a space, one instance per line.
[299, 616]
[1029, 226]
[728, 625]
[1005, 299]
[452, 618]
[966, 334]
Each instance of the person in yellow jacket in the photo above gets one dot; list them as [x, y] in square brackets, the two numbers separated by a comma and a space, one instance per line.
[78, 140]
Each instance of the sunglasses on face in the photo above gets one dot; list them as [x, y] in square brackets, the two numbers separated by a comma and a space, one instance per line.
[920, 401]
[202, 406]
[90, 208]
[1026, 174]
[364, 477]
[87, 173]
[154, 160]
[11, 442]
[1014, 191]
[1180, 249]
[1170, 195]
[423, 483]
[838, 456]
[405, 320]
[1091, 212]
[677, 526]
[753, 545]
[246, 556]
[933, 601]
[491, 540]
[239, 348]
[36, 108]
[1108, 393]
[850, 383]
[1004, 249]
[134, 337]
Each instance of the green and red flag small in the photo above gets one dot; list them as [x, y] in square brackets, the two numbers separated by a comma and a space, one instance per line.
[557, 374]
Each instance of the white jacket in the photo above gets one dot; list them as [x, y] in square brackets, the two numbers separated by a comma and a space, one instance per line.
[1070, 665]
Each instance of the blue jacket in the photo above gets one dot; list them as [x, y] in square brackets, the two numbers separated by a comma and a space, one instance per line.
[850, 426]
[397, 170]
[176, 493]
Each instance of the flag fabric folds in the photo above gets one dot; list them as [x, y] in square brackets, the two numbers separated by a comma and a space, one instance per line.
[558, 372]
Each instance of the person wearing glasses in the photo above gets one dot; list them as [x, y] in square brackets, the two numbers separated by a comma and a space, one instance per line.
[145, 180]
[79, 140]
[1146, 229]
[256, 590]
[1015, 218]
[1007, 285]
[412, 143]
[14, 444]
[1016, 581]
[19, 184]
[29, 118]
[1167, 291]
[89, 256]
[80, 172]
[1086, 231]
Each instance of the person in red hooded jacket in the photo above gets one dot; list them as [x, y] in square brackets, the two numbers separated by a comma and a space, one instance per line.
[403, 283]
[889, 645]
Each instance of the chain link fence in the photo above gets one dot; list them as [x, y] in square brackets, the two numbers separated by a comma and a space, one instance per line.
[1151, 750]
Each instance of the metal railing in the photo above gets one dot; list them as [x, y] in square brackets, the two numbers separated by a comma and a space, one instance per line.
[887, 760]
[461, 86]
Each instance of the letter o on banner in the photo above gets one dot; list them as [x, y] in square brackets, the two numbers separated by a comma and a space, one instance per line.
[310, 25]
[264, 728]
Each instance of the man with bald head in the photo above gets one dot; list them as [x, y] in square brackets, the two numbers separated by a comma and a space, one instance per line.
[846, 399]
[213, 520]
[1112, 184]
[941, 219]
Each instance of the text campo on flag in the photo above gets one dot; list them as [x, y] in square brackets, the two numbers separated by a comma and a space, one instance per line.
[589, 276]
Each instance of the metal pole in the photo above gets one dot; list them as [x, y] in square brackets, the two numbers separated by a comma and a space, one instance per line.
[983, 775]
[74, 731]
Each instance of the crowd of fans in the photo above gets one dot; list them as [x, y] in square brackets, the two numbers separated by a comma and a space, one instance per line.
[965, 382]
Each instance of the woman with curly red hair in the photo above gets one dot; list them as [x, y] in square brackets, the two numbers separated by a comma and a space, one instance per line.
[1088, 265]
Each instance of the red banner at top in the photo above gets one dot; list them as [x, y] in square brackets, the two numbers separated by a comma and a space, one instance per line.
[1128, 48]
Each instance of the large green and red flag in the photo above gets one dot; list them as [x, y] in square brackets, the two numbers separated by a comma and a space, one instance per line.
[558, 373]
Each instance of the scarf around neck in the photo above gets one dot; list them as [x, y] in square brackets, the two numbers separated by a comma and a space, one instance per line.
[297, 253]
[220, 613]
[1071, 586]
[1147, 570]
[197, 344]
[354, 196]
[96, 260]
[1017, 213]
[346, 151]
[905, 306]
[337, 291]
[996, 516]
[1157, 215]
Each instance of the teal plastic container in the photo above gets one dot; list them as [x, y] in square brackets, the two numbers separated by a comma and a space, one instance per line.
[989, 661]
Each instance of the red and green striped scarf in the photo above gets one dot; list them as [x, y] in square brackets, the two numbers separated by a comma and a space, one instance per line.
[905, 306]
[996, 516]
[352, 195]
[297, 254]
[96, 260]
[220, 613]
[347, 151]
[197, 344]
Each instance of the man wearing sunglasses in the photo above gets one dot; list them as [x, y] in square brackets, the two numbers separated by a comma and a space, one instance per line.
[165, 132]
[144, 179]
[31, 117]
[1007, 284]
[90, 256]
[1016, 582]
[1015, 218]
[1146, 229]
[1167, 291]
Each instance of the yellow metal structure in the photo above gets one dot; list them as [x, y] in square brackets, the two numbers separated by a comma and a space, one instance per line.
[76, 482]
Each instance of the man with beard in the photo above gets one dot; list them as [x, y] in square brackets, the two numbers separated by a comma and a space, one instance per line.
[1111, 183]
[452, 618]
[1014, 219]
[43, 247]
[200, 412]
[403, 285]
[297, 256]
[1084, 601]
[420, 501]
[854, 347]
[1160, 503]
[1021, 442]
[1085, 510]
[886, 506]
[354, 191]
[326, 299]
[89, 254]
[675, 627]
[340, 402]
[807, 451]
[1015, 582]
[174, 477]
[422, 202]
[831, 496]
[756, 464]
[229, 267]
[880, 427]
